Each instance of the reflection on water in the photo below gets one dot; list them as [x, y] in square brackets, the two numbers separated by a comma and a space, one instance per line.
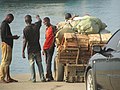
[34, 1]
[107, 10]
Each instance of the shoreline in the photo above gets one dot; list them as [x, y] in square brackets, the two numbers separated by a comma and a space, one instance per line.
[24, 84]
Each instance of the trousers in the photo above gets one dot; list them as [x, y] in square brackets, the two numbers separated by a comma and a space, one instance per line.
[48, 58]
[6, 59]
[36, 57]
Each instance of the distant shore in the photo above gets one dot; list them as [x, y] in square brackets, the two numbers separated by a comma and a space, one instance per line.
[24, 84]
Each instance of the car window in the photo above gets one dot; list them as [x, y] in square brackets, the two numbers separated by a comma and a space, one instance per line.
[114, 42]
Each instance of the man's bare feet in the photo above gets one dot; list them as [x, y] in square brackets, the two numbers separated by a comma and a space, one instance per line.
[12, 80]
[3, 81]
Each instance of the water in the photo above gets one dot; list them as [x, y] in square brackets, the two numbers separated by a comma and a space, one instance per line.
[107, 10]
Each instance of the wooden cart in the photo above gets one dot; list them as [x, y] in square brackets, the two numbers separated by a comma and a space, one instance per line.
[73, 55]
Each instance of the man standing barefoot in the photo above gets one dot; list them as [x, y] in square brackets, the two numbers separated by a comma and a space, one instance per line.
[6, 45]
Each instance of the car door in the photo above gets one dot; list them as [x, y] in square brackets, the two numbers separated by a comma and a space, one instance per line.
[115, 67]
[107, 65]
[103, 71]
[114, 60]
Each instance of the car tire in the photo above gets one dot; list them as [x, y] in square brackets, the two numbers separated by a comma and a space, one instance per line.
[90, 82]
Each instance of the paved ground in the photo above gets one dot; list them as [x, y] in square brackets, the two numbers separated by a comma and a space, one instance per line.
[24, 84]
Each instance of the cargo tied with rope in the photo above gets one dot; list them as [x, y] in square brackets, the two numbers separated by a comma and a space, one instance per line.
[74, 42]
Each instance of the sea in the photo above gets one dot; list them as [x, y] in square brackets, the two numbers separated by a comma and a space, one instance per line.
[106, 10]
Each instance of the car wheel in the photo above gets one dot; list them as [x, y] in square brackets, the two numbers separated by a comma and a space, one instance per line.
[90, 83]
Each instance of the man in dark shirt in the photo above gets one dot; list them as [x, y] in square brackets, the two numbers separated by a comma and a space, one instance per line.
[6, 45]
[31, 36]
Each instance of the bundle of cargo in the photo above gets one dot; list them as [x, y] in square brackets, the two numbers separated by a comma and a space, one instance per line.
[73, 47]
[99, 38]
[68, 55]
[88, 25]
[62, 25]
[75, 40]
[73, 56]
[82, 41]
[60, 34]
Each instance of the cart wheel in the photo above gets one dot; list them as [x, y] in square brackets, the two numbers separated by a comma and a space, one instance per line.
[83, 79]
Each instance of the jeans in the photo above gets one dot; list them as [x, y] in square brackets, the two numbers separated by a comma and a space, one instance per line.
[48, 57]
[36, 57]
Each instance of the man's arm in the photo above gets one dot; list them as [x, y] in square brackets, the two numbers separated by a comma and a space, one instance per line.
[4, 32]
[13, 36]
[24, 45]
[38, 24]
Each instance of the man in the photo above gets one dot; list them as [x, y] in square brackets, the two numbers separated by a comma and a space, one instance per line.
[6, 45]
[48, 48]
[68, 16]
[31, 36]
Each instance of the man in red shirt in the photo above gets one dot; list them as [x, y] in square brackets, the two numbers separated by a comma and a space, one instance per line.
[48, 47]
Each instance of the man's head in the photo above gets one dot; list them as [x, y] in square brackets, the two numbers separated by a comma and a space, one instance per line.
[9, 18]
[68, 16]
[46, 21]
[28, 19]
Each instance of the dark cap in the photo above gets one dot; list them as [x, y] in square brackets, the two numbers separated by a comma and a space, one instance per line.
[68, 16]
